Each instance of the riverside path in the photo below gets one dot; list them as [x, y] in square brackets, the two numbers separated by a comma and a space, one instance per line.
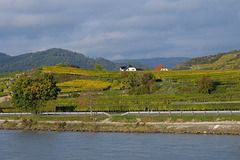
[137, 113]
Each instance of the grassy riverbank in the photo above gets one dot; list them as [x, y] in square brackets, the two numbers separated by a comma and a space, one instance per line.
[129, 119]
[149, 124]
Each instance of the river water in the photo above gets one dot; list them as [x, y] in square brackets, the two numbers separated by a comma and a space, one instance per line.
[39, 145]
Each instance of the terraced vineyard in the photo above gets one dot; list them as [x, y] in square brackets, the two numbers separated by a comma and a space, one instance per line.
[79, 71]
[83, 85]
[177, 90]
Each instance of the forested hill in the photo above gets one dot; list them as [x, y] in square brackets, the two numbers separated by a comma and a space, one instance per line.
[51, 57]
[229, 60]
[3, 55]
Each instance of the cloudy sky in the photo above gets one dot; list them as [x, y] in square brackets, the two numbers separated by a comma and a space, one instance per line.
[116, 29]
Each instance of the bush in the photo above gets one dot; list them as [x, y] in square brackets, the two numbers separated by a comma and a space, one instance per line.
[29, 123]
[205, 85]
[147, 77]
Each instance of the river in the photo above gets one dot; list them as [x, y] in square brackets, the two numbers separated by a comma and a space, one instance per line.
[41, 145]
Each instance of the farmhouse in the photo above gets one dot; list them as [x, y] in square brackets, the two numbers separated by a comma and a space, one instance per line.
[160, 68]
[130, 68]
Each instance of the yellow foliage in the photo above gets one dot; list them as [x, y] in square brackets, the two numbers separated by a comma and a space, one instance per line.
[80, 71]
[219, 62]
[81, 85]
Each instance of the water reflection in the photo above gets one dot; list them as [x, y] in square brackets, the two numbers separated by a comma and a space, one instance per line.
[75, 145]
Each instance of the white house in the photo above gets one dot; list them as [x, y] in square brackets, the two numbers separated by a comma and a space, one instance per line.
[128, 68]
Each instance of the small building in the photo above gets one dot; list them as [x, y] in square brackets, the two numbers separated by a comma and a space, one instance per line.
[130, 68]
[160, 68]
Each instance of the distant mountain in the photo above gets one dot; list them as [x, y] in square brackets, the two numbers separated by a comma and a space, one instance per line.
[52, 57]
[135, 64]
[3, 55]
[229, 60]
[3, 58]
[168, 62]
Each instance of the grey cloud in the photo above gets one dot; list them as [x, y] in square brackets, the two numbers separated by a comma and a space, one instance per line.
[121, 29]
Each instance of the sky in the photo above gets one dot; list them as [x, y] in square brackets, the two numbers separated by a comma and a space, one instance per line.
[126, 29]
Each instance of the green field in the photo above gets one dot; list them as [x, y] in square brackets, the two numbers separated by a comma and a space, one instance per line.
[107, 91]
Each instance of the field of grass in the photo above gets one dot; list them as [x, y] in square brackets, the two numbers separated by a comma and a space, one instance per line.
[172, 119]
[194, 76]
[62, 118]
[12, 74]
[177, 90]
[4, 94]
[82, 85]
[79, 71]
[129, 119]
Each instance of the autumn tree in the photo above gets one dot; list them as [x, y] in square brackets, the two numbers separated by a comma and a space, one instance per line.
[98, 67]
[144, 84]
[148, 77]
[30, 93]
[205, 85]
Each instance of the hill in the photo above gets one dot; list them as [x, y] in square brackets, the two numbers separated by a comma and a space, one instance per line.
[52, 57]
[3, 55]
[168, 62]
[220, 61]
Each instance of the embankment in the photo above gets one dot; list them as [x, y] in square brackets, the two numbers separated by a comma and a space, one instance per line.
[148, 124]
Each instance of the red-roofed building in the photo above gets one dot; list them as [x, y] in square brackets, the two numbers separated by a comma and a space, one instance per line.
[160, 68]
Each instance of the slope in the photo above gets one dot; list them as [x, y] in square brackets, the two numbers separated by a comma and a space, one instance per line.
[49, 58]
[229, 60]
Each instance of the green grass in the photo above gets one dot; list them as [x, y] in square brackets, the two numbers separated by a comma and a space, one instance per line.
[64, 78]
[177, 86]
[10, 117]
[130, 119]
[189, 118]
[109, 92]
[65, 118]
[116, 102]
[12, 74]
[2, 94]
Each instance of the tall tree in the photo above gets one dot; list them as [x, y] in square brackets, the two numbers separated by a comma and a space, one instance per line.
[30, 93]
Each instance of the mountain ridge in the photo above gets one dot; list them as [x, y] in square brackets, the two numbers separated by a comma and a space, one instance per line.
[52, 57]
[153, 62]
[4, 55]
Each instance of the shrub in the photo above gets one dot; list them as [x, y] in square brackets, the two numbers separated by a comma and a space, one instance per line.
[205, 85]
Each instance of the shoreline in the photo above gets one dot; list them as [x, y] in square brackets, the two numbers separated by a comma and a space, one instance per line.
[211, 128]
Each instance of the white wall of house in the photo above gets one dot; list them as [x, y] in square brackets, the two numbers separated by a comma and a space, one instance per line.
[131, 69]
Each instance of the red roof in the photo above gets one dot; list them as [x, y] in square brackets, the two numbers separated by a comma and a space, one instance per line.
[158, 68]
